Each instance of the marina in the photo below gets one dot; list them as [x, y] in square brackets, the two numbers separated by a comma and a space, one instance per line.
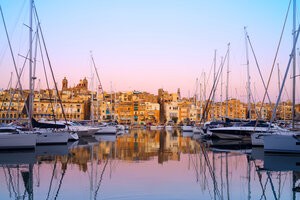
[148, 164]
[61, 139]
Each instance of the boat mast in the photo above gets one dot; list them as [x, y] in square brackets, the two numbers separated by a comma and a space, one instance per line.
[30, 66]
[99, 85]
[92, 97]
[294, 65]
[285, 76]
[215, 79]
[278, 77]
[248, 76]
[111, 109]
[221, 96]
[227, 81]
[200, 100]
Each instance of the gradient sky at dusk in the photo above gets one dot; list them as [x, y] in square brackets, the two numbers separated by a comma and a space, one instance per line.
[151, 44]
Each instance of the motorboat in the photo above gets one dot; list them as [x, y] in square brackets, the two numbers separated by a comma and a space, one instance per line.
[243, 131]
[81, 130]
[106, 128]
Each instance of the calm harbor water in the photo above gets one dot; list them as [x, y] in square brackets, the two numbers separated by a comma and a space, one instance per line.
[145, 164]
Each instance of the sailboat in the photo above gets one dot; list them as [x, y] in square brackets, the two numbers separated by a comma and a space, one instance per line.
[288, 142]
[103, 128]
[10, 137]
[43, 136]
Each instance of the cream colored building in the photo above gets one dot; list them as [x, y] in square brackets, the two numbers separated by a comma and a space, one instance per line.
[172, 111]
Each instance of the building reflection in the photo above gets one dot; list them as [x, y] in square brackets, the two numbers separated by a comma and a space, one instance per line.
[138, 145]
[221, 173]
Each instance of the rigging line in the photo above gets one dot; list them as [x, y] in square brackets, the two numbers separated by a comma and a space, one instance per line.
[277, 50]
[205, 179]
[272, 185]
[285, 90]
[98, 77]
[62, 177]
[49, 63]
[46, 78]
[260, 180]
[100, 180]
[13, 29]
[100, 85]
[195, 168]
[205, 111]
[6, 180]
[210, 72]
[285, 76]
[52, 177]
[211, 171]
[265, 186]
[281, 186]
[11, 181]
[257, 65]
[35, 59]
[21, 73]
[21, 91]
[255, 109]
[14, 61]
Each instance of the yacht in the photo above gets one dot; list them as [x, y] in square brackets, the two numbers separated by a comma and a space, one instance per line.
[81, 130]
[243, 130]
[53, 132]
[106, 128]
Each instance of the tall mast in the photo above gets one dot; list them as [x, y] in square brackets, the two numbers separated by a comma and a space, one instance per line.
[99, 89]
[294, 64]
[221, 96]
[215, 77]
[200, 100]
[30, 66]
[92, 97]
[248, 77]
[111, 107]
[278, 77]
[227, 80]
[204, 86]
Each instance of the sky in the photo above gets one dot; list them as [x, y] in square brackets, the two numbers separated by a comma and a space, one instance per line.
[150, 44]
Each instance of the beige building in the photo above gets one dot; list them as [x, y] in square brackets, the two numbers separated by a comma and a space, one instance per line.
[131, 107]
[171, 111]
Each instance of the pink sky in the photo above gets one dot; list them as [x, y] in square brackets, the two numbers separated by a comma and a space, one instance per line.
[150, 45]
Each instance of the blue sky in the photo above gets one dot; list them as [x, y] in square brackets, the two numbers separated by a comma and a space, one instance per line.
[151, 44]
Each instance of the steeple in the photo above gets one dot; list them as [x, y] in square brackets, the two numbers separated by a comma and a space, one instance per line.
[64, 84]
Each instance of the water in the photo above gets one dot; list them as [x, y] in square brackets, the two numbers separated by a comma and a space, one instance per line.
[148, 165]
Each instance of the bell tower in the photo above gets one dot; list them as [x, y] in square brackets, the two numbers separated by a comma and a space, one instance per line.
[64, 84]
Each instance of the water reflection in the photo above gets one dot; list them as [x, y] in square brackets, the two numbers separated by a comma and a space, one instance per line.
[145, 164]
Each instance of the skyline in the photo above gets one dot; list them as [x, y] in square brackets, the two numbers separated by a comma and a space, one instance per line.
[147, 45]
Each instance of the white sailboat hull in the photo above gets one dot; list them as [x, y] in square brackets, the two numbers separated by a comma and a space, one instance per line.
[283, 143]
[257, 139]
[17, 141]
[50, 137]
